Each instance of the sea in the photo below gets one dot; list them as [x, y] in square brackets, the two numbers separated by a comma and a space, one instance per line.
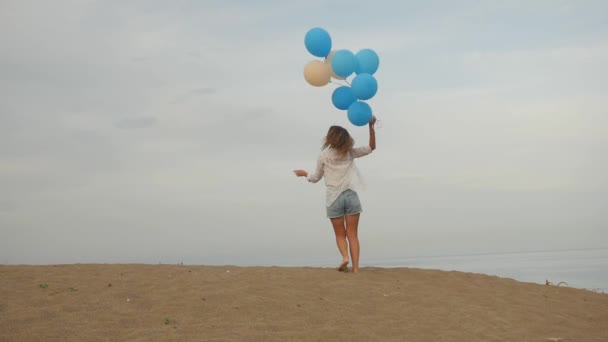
[578, 268]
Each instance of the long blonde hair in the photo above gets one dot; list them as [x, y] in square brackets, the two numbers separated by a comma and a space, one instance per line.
[338, 139]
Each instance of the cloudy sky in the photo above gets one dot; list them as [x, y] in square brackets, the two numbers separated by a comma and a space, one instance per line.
[166, 131]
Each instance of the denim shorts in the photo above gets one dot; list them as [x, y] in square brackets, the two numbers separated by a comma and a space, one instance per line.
[346, 204]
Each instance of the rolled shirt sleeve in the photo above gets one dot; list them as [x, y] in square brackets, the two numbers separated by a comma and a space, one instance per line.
[318, 174]
[358, 152]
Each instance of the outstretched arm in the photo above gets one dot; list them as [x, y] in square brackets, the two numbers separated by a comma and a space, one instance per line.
[314, 177]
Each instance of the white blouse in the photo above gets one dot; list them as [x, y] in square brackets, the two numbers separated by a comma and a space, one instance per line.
[340, 172]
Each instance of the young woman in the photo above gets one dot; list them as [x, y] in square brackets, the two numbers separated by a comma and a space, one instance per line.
[336, 163]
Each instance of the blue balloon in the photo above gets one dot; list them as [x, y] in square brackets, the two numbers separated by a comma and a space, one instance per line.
[343, 97]
[343, 63]
[359, 113]
[364, 86]
[367, 62]
[318, 42]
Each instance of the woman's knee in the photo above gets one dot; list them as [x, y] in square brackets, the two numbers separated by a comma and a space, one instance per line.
[352, 235]
[340, 234]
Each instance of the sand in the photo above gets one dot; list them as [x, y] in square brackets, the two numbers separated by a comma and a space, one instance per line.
[202, 303]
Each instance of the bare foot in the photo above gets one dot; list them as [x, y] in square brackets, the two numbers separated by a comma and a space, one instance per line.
[355, 270]
[343, 266]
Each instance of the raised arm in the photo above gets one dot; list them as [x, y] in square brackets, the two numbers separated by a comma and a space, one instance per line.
[372, 134]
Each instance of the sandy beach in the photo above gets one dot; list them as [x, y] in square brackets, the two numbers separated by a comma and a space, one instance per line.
[203, 303]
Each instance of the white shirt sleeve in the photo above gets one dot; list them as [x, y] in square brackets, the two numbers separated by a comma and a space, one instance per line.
[318, 174]
[360, 151]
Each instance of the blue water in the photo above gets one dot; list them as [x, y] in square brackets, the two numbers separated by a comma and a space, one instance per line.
[579, 268]
[585, 269]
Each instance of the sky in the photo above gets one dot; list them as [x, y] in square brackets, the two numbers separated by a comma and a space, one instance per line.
[167, 131]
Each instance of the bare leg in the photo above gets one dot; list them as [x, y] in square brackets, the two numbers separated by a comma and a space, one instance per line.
[340, 230]
[352, 227]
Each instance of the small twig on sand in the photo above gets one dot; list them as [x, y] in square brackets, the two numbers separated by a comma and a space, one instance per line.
[548, 283]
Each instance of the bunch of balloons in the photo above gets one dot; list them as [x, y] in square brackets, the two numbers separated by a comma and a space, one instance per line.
[339, 65]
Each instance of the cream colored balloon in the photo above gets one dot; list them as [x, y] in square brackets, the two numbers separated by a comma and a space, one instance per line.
[317, 73]
[328, 62]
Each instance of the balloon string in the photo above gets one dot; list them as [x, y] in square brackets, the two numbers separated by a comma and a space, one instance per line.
[340, 84]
